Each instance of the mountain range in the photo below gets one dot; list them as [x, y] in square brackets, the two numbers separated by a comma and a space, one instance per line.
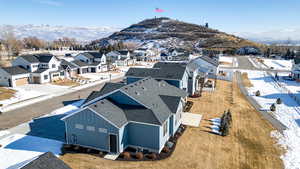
[50, 33]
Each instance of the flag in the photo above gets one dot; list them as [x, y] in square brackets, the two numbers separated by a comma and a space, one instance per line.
[158, 10]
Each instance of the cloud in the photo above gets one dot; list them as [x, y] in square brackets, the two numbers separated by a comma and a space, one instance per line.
[49, 2]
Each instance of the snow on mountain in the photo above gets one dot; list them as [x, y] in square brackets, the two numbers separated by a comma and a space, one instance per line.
[50, 33]
[275, 36]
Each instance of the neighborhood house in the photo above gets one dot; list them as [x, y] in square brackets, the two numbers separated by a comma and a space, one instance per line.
[119, 115]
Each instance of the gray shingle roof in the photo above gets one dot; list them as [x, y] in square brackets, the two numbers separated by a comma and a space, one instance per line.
[40, 70]
[95, 63]
[92, 55]
[149, 92]
[80, 63]
[66, 64]
[210, 60]
[123, 52]
[36, 58]
[30, 58]
[107, 88]
[172, 102]
[15, 70]
[169, 72]
[110, 111]
[46, 160]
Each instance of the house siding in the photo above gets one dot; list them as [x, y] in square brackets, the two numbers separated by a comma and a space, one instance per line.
[95, 139]
[134, 135]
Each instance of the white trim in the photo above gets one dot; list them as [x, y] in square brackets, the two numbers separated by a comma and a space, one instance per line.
[117, 144]
[69, 115]
[143, 123]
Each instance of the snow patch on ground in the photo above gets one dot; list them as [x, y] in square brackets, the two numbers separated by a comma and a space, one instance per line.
[288, 113]
[18, 148]
[278, 64]
[4, 132]
[215, 127]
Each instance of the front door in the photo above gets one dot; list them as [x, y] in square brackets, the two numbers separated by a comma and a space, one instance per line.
[113, 143]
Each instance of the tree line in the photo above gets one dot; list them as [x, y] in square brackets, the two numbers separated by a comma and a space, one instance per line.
[11, 46]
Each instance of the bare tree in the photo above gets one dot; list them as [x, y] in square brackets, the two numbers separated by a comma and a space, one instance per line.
[34, 43]
[11, 43]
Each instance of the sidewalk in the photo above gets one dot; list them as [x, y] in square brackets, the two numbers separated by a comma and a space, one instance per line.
[46, 97]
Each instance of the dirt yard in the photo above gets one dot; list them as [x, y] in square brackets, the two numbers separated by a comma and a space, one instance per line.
[66, 82]
[6, 93]
[246, 81]
[248, 146]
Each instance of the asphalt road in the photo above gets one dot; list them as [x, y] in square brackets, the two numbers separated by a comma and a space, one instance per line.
[245, 64]
[25, 114]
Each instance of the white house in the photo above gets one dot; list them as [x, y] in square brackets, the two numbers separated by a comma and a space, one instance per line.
[96, 61]
[14, 76]
[43, 68]
[210, 65]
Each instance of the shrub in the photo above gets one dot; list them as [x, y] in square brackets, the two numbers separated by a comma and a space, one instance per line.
[0, 145]
[152, 156]
[273, 107]
[225, 130]
[278, 101]
[126, 155]
[257, 93]
[166, 150]
[139, 155]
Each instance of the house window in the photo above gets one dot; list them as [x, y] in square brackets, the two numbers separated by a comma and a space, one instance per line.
[165, 128]
[90, 128]
[62, 73]
[53, 66]
[55, 75]
[102, 130]
[28, 67]
[46, 77]
[79, 126]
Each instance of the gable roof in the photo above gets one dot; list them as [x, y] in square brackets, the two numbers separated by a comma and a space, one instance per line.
[80, 63]
[37, 58]
[110, 111]
[172, 102]
[123, 52]
[15, 70]
[47, 160]
[92, 55]
[154, 108]
[64, 64]
[212, 61]
[107, 88]
[160, 71]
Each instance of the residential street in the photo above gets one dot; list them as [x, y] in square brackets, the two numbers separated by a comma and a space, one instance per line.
[24, 114]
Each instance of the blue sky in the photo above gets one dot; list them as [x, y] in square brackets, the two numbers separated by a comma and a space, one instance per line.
[226, 15]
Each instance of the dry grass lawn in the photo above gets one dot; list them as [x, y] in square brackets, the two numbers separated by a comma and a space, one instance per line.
[66, 82]
[249, 145]
[246, 81]
[226, 63]
[6, 93]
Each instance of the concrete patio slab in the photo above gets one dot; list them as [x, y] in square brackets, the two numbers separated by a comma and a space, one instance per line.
[191, 119]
